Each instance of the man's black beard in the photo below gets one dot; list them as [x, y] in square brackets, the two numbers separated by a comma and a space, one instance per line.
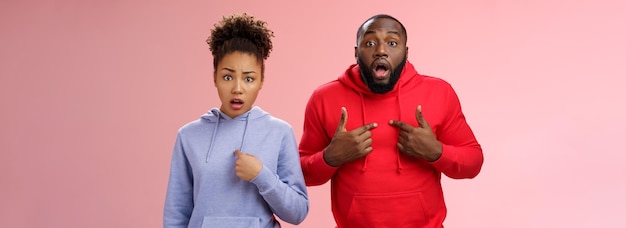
[367, 75]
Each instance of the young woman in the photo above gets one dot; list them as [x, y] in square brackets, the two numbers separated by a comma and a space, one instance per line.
[236, 166]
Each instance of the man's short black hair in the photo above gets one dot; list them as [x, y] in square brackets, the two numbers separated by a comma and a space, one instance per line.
[359, 32]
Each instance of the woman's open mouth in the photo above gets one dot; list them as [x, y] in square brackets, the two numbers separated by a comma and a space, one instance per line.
[236, 103]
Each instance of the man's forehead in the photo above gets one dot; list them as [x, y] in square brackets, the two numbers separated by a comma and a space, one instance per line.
[381, 23]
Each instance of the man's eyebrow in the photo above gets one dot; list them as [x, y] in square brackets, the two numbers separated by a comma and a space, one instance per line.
[368, 32]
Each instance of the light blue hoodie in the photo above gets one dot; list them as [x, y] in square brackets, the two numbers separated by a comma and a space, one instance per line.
[203, 189]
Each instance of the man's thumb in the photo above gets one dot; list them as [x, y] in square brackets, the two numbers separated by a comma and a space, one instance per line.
[420, 118]
[343, 120]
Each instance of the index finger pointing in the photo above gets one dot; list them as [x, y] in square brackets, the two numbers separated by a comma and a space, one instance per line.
[401, 125]
[365, 128]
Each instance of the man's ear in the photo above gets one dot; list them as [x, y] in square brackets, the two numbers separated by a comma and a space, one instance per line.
[407, 52]
[355, 53]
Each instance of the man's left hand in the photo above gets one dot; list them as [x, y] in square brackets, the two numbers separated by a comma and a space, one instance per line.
[418, 141]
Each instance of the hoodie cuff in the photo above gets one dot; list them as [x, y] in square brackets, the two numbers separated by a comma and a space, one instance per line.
[320, 166]
[446, 159]
[266, 180]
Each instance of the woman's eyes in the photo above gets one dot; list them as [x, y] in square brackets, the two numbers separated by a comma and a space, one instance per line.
[229, 78]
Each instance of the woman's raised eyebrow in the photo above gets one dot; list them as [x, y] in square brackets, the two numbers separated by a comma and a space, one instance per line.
[228, 69]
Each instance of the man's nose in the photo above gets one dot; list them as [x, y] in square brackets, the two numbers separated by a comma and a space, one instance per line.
[381, 51]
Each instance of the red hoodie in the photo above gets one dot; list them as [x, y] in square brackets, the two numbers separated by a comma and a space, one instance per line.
[387, 188]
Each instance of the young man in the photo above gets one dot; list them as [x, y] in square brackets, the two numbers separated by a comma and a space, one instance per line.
[404, 129]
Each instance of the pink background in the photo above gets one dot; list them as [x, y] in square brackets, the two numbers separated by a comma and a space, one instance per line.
[93, 92]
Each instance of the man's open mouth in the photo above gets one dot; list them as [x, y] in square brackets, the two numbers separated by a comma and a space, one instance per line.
[381, 69]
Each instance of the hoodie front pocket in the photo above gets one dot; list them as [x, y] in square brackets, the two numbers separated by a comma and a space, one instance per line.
[234, 222]
[388, 210]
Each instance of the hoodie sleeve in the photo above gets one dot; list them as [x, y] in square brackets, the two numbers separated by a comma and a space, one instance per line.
[462, 156]
[179, 196]
[285, 192]
[314, 141]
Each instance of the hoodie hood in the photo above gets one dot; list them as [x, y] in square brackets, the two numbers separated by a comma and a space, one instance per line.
[352, 78]
[216, 116]
[408, 78]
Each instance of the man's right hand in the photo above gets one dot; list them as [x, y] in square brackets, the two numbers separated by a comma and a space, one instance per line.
[346, 145]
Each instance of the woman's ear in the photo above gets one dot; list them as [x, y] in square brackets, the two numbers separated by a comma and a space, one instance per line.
[215, 79]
